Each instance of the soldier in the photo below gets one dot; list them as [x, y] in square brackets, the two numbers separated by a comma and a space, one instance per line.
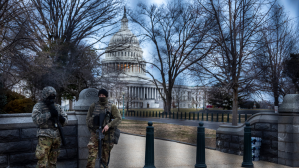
[45, 114]
[103, 106]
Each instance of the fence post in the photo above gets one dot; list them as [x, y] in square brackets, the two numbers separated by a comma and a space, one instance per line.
[245, 117]
[177, 115]
[159, 114]
[189, 115]
[212, 118]
[222, 117]
[198, 116]
[185, 115]
[200, 149]
[149, 147]
[227, 117]
[172, 115]
[207, 119]
[217, 118]
[239, 118]
[193, 116]
[202, 116]
[247, 153]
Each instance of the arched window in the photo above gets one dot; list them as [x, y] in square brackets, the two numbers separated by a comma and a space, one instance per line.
[122, 53]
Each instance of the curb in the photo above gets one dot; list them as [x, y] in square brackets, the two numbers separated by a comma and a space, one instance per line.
[169, 140]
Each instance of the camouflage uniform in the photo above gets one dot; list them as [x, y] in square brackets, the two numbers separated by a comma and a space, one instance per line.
[107, 145]
[47, 149]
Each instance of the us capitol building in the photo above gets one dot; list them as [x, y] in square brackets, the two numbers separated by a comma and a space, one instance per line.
[124, 64]
[124, 60]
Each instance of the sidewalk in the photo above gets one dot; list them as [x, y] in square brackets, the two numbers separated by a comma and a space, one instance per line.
[130, 153]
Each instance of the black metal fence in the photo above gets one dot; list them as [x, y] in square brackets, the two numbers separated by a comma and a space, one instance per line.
[214, 116]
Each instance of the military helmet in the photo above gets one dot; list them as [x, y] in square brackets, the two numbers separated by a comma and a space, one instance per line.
[47, 91]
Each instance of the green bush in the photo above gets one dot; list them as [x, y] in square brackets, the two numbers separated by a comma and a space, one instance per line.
[19, 106]
[13, 96]
[17, 103]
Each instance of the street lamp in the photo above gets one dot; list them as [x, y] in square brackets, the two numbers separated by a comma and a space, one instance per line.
[123, 105]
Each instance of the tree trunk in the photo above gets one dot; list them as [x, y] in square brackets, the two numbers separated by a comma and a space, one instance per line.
[235, 106]
[58, 97]
[70, 105]
[167, 106]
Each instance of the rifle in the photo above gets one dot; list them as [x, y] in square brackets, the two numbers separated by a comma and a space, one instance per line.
[60, 130]
[57, 124]
[101, 136]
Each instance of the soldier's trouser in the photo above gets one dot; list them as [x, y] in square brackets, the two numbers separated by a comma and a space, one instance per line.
[93, 151]
[47, 151]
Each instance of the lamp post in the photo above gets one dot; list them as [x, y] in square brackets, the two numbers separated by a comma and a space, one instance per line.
[123, 105]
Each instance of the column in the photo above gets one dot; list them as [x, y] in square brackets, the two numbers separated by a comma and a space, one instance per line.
[152, 96]
[129, 91]
[135, 95]
[152, 93]
[147, 92]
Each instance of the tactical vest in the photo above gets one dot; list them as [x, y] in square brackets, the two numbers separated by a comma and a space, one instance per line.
[49, 124]
[103, 109]
[113, 133]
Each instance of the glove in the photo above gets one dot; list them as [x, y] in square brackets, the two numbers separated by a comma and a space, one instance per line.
[53, 111]
[61, 119]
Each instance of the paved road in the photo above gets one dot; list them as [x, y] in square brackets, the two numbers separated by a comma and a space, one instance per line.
[207, 124]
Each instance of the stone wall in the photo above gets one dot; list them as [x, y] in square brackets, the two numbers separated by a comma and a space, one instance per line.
[18, 142]
[268, 133]
[230, 139]
[229, 143]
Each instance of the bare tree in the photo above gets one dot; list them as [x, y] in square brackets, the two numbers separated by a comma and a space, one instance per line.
[238, 25]
[13, 24]
[59, 29]
[277, 42]
[178, 33]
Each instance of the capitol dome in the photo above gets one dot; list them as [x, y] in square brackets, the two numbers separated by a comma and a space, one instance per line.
[123, 53]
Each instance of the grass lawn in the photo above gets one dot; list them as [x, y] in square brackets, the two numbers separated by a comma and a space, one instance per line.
[181, 133]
